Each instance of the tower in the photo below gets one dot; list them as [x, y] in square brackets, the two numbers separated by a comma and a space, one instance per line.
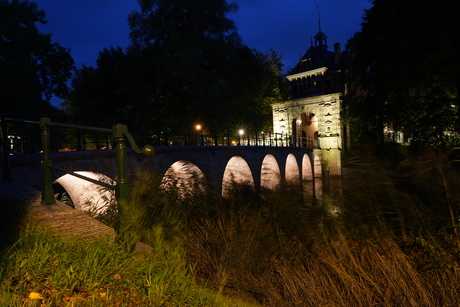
[312, 116]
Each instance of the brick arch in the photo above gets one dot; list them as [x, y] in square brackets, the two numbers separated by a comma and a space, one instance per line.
[318, 174]
[317, 168]
[237, 171]
[270, 176]
[308, 180]
[87, 196]
[184, 176]
[292, 174]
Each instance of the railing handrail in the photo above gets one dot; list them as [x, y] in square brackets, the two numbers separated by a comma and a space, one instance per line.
[122, 188]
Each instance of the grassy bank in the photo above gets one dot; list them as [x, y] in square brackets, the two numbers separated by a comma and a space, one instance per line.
[389, 237]
[42, 268]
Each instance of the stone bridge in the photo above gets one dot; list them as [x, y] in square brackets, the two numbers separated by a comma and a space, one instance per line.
[262, 167]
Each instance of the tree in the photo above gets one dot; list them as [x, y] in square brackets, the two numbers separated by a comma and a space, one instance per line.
[32, 67]
[405, 70]
[115, 87]
[200, 69]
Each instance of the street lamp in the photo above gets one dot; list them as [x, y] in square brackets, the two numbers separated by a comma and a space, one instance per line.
[198, 130]
[240, 133]
[298, 132]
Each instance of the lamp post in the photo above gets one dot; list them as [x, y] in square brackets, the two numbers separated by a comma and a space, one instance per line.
[200, 132]
[299, 137]
[240, 134]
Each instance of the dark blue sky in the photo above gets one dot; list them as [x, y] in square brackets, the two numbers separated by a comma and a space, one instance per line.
[87, 26]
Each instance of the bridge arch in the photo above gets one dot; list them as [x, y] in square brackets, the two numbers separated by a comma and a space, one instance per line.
[292, 173]
[85, 196]
[237, 171]
[255, 165]
[308, 180]
[270, 177]
[318, 174]
[185, 177]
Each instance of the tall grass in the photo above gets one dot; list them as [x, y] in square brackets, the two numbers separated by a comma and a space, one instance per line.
[388, 239]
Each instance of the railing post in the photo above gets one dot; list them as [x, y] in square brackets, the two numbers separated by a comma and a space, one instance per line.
[7, 174]
[48, 193]
[123, 188]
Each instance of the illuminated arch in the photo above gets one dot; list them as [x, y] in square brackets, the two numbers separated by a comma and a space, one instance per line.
[237, 171]
[317, 169]
[270, 176]
[318, 175]
[183, 176]
[85, 196]
[307, 180]
[292, 170]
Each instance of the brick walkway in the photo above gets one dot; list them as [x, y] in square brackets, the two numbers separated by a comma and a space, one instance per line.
[67, 221]
[61, 218]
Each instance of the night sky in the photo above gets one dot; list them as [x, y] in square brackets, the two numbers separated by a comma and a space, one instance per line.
[87, 26]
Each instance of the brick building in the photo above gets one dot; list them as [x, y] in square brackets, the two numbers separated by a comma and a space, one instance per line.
[312, 116]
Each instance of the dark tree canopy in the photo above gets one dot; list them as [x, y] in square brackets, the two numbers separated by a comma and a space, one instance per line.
[186, 63]
[200, 68]
[406, 69]
[32, 67]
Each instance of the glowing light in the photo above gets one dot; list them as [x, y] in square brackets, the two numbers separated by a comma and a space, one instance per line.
[185, 177]
[237, 171]
[241, 132]
[85, 195]
[198, 127]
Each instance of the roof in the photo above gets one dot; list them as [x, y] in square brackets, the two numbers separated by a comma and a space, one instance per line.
[316, 57]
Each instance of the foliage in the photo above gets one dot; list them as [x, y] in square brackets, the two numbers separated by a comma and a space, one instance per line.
[405, 70]
[389, 238]
[53, 270]
[32, 67]
[116, 87]
[186, 64]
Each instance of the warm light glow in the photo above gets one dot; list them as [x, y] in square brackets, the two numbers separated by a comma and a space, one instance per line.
[237, 171]
[292, 173]
[185, 177]
[198, 127]
[270, 173]
[85, 195]
[241, 132]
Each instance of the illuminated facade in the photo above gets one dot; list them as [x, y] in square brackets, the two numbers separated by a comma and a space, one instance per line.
[311, 118]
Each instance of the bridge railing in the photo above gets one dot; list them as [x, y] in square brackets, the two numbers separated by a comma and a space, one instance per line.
[24, 137]
[120, 136]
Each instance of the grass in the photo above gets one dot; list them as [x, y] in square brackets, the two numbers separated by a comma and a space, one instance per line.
[389, 238]
[379, 242]
[67, 272]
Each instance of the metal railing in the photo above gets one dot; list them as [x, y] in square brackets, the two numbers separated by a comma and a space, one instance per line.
[122, 187]
[23, 137]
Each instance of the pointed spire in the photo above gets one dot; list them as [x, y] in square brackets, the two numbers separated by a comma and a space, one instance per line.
[320, 38]
[319, 19]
